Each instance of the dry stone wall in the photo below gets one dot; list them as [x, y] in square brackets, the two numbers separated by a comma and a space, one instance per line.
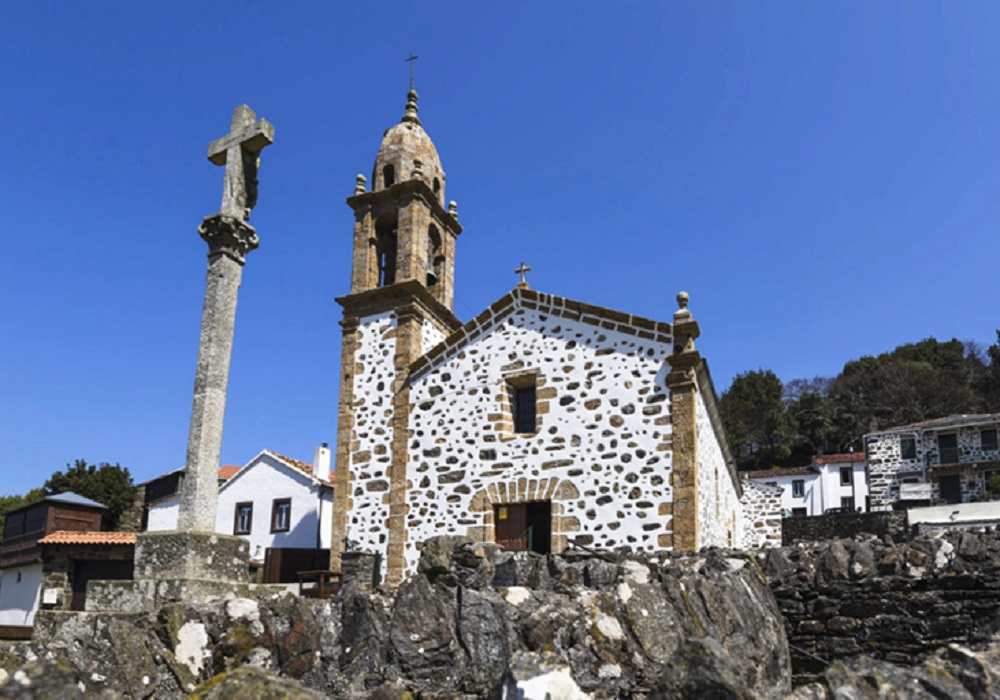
[892, 601]
[600, 452]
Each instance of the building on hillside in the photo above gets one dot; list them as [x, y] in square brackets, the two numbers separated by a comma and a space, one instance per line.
[274, 501]
[945, 460]
[834, 483]
[21, 553]
[71, 559]
[541, 420]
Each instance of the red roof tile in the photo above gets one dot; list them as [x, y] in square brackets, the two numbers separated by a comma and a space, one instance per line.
[228, 471]
[305, 467]
[70, 537]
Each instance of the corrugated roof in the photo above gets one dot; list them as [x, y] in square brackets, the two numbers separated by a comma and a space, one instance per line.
[957, 420]
[76, 499]
[845, 458]
[71, 537]
[768, 473]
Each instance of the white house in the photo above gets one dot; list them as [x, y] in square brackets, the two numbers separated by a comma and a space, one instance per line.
[273, 501]
[829, 482]
[277, 501]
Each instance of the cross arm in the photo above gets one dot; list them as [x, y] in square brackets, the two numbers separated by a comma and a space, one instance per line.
[252, 138]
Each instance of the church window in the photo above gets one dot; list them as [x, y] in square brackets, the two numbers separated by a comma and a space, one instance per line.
[908, 447]
[281, 515]
[437, 186]
[243, 519]
[388, 176]
[524, 402]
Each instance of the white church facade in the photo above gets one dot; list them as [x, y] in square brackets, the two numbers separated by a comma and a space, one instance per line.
[542, 420]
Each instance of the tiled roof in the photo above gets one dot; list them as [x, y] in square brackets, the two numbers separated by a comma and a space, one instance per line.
[847, 458]
[228, 471]
[304, 467]
[70, 537]
[767, 473]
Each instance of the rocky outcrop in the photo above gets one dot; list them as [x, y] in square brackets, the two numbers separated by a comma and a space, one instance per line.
[467, 625]
[892, 601]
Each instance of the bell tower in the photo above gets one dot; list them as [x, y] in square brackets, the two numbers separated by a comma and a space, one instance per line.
[402, 230]
[399, 306]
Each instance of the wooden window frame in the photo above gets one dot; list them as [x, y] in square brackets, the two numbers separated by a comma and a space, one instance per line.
[907, 439]
[236, 518]
[801, 490]
[274, 515]
[982, 440]
[849, 473]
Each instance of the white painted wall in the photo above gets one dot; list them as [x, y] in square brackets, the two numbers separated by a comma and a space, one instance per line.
[19, 599]
[832, 490]
[261, 482]
[811, 498]
[163, 515]
[720, 516]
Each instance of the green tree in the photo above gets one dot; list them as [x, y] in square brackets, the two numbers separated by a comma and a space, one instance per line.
[110, 485]
[760, 431]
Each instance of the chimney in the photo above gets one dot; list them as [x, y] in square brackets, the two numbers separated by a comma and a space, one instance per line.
[321, 462]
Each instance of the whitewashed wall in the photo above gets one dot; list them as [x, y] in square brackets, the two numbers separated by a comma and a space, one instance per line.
[19, 600]
[372, 431]
[720, 513]
[601, 454]
[261, 482]
[833, 491]
[163, 515]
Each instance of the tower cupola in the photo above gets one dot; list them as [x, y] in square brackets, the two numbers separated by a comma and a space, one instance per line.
[407, 153]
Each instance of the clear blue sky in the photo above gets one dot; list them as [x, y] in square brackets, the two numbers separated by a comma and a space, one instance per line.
[823, 178]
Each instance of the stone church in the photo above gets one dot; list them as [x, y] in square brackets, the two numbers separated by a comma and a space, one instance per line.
[540, 421]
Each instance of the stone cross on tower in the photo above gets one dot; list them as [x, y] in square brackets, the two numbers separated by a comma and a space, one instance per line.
[229, 239]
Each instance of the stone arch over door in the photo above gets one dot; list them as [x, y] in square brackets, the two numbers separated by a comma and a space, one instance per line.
[525, 490]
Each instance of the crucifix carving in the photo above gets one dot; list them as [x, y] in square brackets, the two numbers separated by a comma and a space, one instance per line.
[523, 271]
[239, 151]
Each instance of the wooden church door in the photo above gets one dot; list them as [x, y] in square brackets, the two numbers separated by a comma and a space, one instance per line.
[511, 523]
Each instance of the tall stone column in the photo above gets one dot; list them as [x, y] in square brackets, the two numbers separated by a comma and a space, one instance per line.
[683, 385]
[229, 239]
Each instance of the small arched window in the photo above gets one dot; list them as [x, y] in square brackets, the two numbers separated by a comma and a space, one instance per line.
[388, 176]
[437, 186]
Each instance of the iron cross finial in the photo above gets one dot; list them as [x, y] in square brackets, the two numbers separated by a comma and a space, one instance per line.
[523, 271]
[410, 60]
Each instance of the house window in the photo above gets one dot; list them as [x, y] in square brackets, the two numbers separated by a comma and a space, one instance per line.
[799, 512]
[908, 447]
[281, 515]
[847, 503]
[798, 487]
[988, 440]
[948, 448]
[243, 520]
[846, 476]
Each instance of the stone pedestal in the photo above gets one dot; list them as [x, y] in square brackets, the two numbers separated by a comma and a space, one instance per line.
[201, 556]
